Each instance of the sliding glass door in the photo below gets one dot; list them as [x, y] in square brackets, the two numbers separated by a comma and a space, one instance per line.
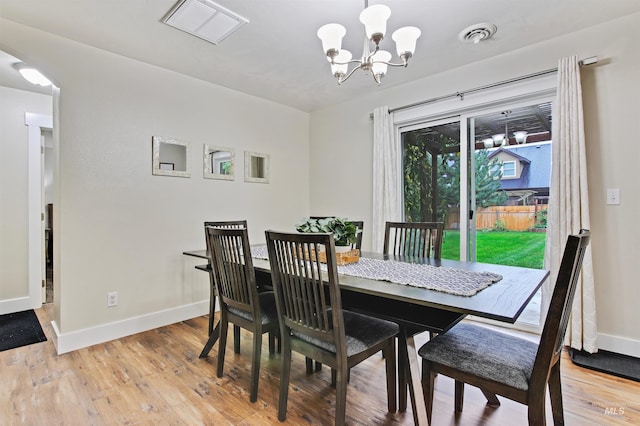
[485, 174]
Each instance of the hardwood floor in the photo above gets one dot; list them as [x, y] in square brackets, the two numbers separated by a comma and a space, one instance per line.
[156, 378]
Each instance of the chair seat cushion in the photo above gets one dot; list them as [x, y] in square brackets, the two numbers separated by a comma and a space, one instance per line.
[267, 309]
[362, 332]
[485, 353]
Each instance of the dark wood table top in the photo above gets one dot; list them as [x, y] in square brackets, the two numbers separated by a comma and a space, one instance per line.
[502, 301]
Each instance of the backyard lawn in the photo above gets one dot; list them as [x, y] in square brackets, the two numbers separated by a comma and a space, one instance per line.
[524, 249]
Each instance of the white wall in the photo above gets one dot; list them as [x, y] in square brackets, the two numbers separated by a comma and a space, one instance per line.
[14, 272]
[611, 92]
[121, 228]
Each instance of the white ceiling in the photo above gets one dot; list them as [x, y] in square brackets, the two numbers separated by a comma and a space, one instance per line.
[278, 56]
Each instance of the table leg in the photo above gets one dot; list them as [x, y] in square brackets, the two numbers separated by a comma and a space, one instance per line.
[236, 339]
[212, 309]
[415, 386]
[403, 363]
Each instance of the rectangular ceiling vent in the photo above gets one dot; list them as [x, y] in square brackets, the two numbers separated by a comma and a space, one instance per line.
[204, 19]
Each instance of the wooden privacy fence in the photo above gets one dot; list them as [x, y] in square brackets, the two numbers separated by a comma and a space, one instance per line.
[512, 218]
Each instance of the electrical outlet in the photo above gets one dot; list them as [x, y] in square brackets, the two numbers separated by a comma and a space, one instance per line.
[112, 299]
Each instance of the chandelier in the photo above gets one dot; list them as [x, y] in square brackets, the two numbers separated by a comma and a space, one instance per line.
[502, 139]
[373, 62]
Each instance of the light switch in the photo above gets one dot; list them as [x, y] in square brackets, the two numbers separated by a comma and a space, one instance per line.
[613, 195]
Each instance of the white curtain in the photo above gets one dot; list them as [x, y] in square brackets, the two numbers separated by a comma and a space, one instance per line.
[387, 178]
[569, 204]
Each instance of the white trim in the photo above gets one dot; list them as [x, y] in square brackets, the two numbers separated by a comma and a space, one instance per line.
[16, 305]
[67, 342]
[465, 202]
[522, 91]
[35, 124]
[619, 344]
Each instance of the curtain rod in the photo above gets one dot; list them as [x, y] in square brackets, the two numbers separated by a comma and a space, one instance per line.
[586, 61]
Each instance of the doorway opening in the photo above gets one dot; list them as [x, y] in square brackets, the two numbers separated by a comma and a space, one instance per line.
[47, 197]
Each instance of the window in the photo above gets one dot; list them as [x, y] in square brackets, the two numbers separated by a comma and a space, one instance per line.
[508, 169]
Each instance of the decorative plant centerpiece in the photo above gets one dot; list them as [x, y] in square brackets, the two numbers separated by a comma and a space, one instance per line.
[345, 233]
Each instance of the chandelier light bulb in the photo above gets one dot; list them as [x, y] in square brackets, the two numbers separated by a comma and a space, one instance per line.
[340, 63]
[406, 38]
[379, 67]
[331, 37]
[374, 19]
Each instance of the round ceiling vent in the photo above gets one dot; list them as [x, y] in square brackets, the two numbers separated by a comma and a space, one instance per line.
[477, 33]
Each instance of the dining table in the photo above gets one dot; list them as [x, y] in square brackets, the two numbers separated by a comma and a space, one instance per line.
[422, 307]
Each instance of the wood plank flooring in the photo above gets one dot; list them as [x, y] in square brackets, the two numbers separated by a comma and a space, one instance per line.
[156, 378]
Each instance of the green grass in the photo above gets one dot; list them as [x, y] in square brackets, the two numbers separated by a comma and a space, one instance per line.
[524, 249]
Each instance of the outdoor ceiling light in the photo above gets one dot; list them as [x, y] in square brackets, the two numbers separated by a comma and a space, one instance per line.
[502, 139]
[31, 74]
[521, 136]
[499, 140]
[374, 19]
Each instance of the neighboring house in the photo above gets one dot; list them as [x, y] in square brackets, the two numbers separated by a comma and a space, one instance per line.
[526, 172]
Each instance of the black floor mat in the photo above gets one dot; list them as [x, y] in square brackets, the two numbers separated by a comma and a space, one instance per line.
[20, 329]
[608, 362]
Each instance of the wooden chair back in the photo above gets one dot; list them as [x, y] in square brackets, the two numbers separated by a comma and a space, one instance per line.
[422, 239]
[555, 324]
[233, 268]
[359, 224]
[225, 224]
[301, 299]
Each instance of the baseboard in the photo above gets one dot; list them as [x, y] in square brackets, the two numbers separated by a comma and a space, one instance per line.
[67, 342]
[618, 344]
[19, 304]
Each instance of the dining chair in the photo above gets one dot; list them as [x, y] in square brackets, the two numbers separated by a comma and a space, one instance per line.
[358, 245]
[358, 223]
[501, 364]
[226, 224]
[422, 239]
[240, 302]
[313, 323]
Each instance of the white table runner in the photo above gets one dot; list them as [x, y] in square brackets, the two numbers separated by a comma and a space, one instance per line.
[448, 280]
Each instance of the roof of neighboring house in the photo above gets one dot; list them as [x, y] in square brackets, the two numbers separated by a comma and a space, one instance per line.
[536, 165]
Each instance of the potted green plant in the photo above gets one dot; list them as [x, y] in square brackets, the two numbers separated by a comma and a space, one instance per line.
[345, 233]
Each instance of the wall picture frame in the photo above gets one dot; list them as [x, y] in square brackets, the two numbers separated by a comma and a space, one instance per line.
[256, 167]
[170, 157]
[218, 162]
